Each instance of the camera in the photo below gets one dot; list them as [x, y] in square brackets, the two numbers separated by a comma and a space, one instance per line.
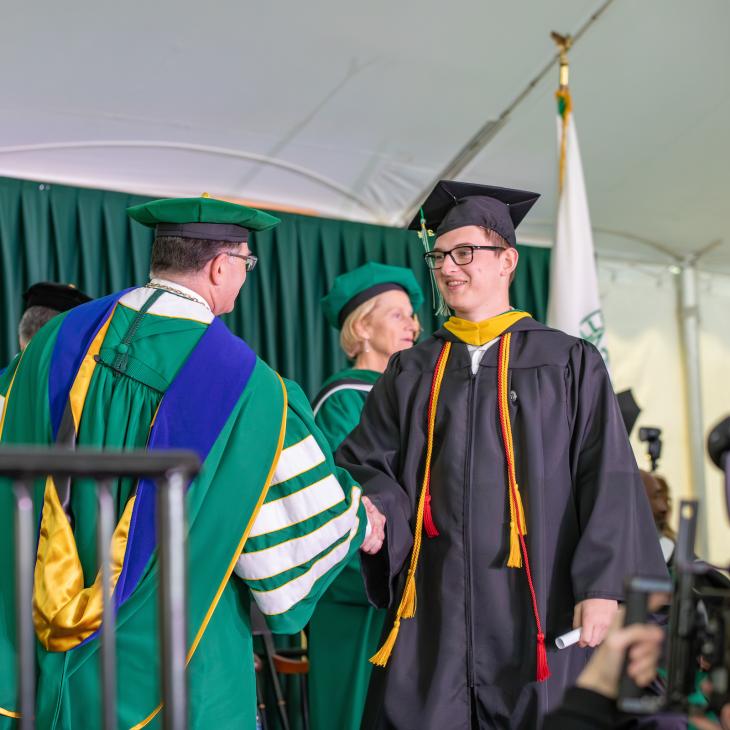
[654, 443]
[699, 617]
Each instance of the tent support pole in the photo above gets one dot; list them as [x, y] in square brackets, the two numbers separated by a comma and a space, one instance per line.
[690, 322]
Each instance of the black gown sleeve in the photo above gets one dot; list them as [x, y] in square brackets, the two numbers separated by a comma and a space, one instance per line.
[371, 454]
[617, 533]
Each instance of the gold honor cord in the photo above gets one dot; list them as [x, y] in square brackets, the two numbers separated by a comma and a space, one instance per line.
[518, 526]
[407, 606]
[517, 523]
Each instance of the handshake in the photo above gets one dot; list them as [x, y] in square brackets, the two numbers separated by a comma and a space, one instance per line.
[375, 535]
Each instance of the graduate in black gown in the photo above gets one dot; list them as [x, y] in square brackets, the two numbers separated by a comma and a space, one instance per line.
[514, 508]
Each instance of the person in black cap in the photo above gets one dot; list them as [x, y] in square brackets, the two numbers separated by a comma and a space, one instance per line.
[43, 301]
[514, 510]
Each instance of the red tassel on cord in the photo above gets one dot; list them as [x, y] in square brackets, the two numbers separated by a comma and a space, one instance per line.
[428, 523]
[543, 670]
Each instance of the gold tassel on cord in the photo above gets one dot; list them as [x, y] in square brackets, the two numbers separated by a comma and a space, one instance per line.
[380, 658]
[515, 554]
[409, 596]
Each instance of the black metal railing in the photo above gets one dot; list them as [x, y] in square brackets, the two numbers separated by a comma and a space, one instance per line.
[171, 470]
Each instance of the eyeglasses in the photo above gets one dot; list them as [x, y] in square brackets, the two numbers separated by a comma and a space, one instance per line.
[461, 255]
[250, 259]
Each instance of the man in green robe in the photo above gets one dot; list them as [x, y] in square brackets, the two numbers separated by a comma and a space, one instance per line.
[373, 307]
[154, 367]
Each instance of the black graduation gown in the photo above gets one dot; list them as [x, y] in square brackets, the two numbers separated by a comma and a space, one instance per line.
[470, 650]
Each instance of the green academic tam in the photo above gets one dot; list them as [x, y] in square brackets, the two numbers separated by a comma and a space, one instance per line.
[352, 289]
[206, 218]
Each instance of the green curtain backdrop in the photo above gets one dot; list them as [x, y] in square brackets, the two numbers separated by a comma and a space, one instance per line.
[83, 237]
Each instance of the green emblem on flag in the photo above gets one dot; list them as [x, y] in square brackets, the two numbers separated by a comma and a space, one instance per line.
[592, 329]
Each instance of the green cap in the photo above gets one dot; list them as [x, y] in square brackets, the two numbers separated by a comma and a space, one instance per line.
[352, 289]
[204, 217]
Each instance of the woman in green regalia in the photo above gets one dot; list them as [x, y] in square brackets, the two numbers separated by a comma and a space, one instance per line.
[374, 309]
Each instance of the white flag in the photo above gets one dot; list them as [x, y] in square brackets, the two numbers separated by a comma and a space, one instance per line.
[574, 305]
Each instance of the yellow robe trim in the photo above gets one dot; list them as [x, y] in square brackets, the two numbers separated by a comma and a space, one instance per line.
[479, 333]
[64, 612]
[80, 387]
[236, 554]
[7, 395]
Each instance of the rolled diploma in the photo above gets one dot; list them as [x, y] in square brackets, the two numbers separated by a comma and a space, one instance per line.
[566, 640]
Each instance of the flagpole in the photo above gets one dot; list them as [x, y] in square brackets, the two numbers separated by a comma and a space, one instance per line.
[563, 42]
[574, 304]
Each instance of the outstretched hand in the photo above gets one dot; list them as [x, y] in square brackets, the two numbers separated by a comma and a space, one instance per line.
[376, 536]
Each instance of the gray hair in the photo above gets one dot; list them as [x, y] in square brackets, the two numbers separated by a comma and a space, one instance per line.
[32, 320]
[173, 254]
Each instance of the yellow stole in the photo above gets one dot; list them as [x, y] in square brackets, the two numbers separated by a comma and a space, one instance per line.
[479, 333]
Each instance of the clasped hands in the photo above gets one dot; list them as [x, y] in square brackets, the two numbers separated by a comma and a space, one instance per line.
[375, 538]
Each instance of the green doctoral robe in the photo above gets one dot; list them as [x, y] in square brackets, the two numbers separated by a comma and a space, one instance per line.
[345, 629]
[271, 518]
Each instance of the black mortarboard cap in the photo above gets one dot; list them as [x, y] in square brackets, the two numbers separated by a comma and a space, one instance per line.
[629, 409]
[60, 297]
[454, 204]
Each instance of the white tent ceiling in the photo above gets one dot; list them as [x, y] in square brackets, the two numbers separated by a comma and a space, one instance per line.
[352, 109]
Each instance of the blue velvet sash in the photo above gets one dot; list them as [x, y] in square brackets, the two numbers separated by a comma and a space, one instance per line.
[192, 413]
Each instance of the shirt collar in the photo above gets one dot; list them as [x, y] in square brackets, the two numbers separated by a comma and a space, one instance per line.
[197, 298]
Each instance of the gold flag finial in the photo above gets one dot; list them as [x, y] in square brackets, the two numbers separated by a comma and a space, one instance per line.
[205, 195]
[563, 42]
